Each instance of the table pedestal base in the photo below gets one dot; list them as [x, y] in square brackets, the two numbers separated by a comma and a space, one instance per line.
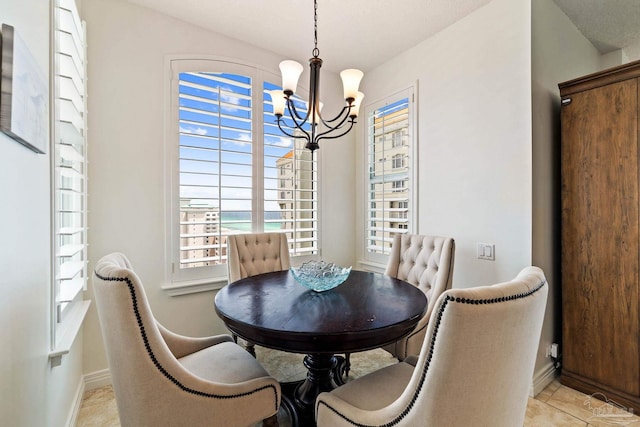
[324, 373]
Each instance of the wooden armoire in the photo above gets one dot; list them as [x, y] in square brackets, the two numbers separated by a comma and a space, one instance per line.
[600, 173]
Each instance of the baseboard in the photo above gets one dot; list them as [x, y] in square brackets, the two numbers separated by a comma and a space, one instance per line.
[543, 378]
[89, 382]
[97, 379]
[77, 404]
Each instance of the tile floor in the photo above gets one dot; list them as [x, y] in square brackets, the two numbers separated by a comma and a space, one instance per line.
[557, 405]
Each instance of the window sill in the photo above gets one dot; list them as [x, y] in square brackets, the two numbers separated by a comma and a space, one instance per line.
[68, 332]
[372, 266]
[194, 286]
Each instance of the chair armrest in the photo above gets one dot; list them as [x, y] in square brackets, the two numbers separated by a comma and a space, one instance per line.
[180, 345]
[331, 410]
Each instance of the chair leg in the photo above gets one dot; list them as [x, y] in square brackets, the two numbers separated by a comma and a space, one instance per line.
[272, 421]
[347, 364]
[251, 348]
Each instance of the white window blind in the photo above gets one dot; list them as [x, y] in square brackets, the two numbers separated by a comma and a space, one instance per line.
[69, 157]
[236, 173]
[216, 164]
[389, 173]
[290, 184]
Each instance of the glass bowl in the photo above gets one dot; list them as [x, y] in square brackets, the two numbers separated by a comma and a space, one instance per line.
[320, 276]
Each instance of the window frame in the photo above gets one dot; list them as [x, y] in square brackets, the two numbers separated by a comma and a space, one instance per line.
[197, 279]
[410, 162]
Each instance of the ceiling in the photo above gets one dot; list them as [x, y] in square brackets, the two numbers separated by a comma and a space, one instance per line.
[377, 30]
[608, 24]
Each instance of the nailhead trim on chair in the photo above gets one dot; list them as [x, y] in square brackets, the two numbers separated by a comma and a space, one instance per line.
[430, 355]
[164, 372]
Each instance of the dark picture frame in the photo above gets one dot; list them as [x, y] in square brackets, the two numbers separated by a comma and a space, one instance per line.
[24, 95]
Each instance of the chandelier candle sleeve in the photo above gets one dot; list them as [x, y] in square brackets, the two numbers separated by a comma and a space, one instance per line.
[355, 108]
[316, 117]
[351, 82]
[278, 100]
[291, 71]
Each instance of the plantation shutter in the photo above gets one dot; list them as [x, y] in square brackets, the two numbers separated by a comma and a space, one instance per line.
[225, 171]
[389, 159]
[69, 159]
[216, 180]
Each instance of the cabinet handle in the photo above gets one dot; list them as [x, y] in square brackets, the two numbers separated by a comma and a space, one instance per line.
[566, 101]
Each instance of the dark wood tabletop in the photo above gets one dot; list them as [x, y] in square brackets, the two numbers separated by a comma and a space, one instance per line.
[367, 311]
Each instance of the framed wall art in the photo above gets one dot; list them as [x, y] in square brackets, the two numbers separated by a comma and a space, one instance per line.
[24, 97]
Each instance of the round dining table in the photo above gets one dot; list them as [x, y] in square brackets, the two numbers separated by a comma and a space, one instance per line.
[368, 310]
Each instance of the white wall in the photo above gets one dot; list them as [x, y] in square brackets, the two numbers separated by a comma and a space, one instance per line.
[474, 136]
[31, 392]
[559, 53]
[127, 49]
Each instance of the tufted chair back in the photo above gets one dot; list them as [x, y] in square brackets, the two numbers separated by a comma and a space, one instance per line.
[426, 262]
[251, 254]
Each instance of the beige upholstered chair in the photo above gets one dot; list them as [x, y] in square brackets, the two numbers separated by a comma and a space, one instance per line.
[164, 379]
[426, 262]
[474, 369]
[256, 253]
[251, 254]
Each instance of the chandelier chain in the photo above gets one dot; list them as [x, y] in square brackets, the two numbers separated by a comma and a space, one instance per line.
[316, 51]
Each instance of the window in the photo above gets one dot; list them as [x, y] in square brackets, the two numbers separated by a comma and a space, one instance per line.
[398, 186]
[390, 152]
[398, 160]
[234, 172]
[69, 177]
[397, 140]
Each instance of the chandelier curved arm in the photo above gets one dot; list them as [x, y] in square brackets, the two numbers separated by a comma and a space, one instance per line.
[342, 117]
[347, 109]
[293, 112]
[305, 136]
[325, 135]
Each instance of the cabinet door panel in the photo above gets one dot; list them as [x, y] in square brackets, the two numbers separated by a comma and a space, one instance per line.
[600, 215]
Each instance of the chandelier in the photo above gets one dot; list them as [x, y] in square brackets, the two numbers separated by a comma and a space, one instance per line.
[333, 128]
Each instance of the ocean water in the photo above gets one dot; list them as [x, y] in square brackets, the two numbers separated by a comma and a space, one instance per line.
[246, 226]
[241, 221]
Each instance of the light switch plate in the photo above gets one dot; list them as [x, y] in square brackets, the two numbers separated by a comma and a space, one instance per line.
[486, 251]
